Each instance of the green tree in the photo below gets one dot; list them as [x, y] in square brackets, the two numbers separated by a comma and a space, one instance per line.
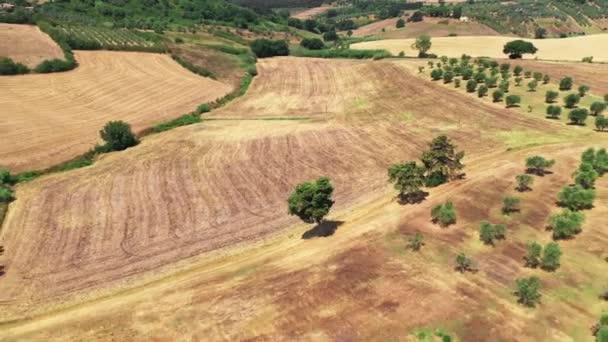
[566, 83]
[524, 182]
[436, 74]
[566, 224]
[518, 81]
[538, 76]
[330, 36]
[471, 86]
[504, 86]
[532, 85]
[311, 201]
[9, 67]
[582, 90]
[312, 43]
[457, 83]
[263, 48]
[444, 215]
[578, 116]
[597, 108]
[423, 45]
[416, 242]
[408, 178]
[528, 291]
[528, 74]
[517, 48]
[585, 176]
[442, 157]
[480, 77]
[505, 67]
[489, 233]
[510, 204]
[601, 123]
[538, 165]
[551, 96]
[518, 70]
[448, 76]
[554, 112]
[118, 136]
[546, 79]
[571, 100]
[513, 101]
[497, 95]
[400, 23]
[491, 82]
[467, 74]
[464, 263]
[482, 90]
[551, 256]
[534, 250]
[575, 197]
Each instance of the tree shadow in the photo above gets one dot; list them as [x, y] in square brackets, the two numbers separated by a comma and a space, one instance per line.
[323, 229]
[538, 172]
[414, 198]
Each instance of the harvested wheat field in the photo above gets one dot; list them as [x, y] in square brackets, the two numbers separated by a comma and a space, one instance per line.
[562, 49]
[434, 27]
[27, 44]
[311, 12]
[51, 118]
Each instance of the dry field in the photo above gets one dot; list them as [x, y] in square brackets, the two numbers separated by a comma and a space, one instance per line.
[132, 248]
[311, 12]
[51, 118]
[430, 26]
[27, 44]
[562, 49]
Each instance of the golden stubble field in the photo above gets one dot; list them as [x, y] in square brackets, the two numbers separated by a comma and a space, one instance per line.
[47, 119]
[434, 27]
[562, 49]
[135, 247]
[27, 44]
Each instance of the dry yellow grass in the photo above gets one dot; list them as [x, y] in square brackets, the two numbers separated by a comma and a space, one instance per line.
[434, 27]
[27, 44]
[566, 49]
[47, 119]
[311, 12]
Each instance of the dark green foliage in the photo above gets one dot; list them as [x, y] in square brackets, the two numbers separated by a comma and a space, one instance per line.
[263, 48]
[400, 23]
[504, 67]
[6, 194]
[518, 81]
[585, 176]
[566, 83]
[538, 165]
[551, 256]
[464, 263]
[6, 178]
[571, 100]
[518, 70]
[554, 112]
[528, 291]
[582, 90]
[576, 197]
[578, 116]
[408, 178]
[184, 120]
[448, 76]
[538, 76]
[471, 86]
[491, 82]
[602, 334]
[524, 182]
[480, 77]
[482, 90]
[551, 96]
[497, 95]
[443, 158]
[504, 86]
[416, 242]
[467, 73]
[330, 36]
[444, 215]
[436, 74]
[598, 159]
[341, 53]
[532, 85]
[528, 74]
[489, 233]
[597, 108]
[423, 45]
[566, 224]
[457, 83]
[312, 43]
[9, 67]
[546, 79]
[510, 204]
[534, 250]
[513, 101]
[311, 201]
[118, 136]
[416, 17]
[601, 122]
[515, 49]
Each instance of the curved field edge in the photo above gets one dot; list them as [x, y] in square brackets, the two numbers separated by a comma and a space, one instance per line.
[27, 44]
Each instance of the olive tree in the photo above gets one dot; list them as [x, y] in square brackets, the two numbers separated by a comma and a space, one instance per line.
[566, 224]
[311, 201]
[601, 123]
[497, 95]
[513, 101]
[571, 100]
[510, 204]
[597, 108]
[538, 165]
[118, 136]
[408, 178]
[582, 90]
[575, 197]
[551, 256]
[551, 96]
[554, 112]
[444, 214]
[533, 254]
[517, 48]
[528, 291]
[578, 116]
[566, 83]
[423, 45]
[524, 182]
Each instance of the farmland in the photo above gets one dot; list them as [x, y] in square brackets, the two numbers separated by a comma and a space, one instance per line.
[57, 117]
[548, 49]
[27, 44]
[435, 27]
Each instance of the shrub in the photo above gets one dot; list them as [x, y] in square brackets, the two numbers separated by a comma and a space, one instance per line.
[513, 101]
[263, 48]
[9, 67]
[504, 86]
[457, 82]
[578, 116]
[528, 74]
[482, 90]
[444, 214]
[330, 36]
[566, 224]
[504, 67]
[518, 81]
[118, 136]
[575, 197]
[538, 165]
[601, 122]
[436, 74]
[471, 86]
[598, 159]
[491, 82]
[518, 70]
[515, 49]
[6, 178]
[528, 291]
[571, 100]
[179, 40]
[497, 95]
[184, 120]
[400, 23]
[312, 43]
[538, 76]
[554, 112]
[464, 263]
[551, 96]
[448, 76]
[566, 83]
[6, 194]
[534, 250]
[408, 179]
[416, 242]
[551, 256]
[588, 59]
[53, 65]
[311, 201]
[480, 77]
[467, 74]
[510, 204]
[586, 175]
[546, 79]
[489, 233]
[597, 108]
[524, 182]
[582, 90]
[532, 85]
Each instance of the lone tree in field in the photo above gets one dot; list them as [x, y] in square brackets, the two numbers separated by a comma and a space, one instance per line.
[118, 136]
[408, 179]
[566, 83]
[551, 256]
[538, 165]
[554, 112]
[517, 48]
[534, 250]
[441, 158]
[444, 215]
[311, 201]
[524, 182]
[423, 45]
[566, 224]
[528, 291]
